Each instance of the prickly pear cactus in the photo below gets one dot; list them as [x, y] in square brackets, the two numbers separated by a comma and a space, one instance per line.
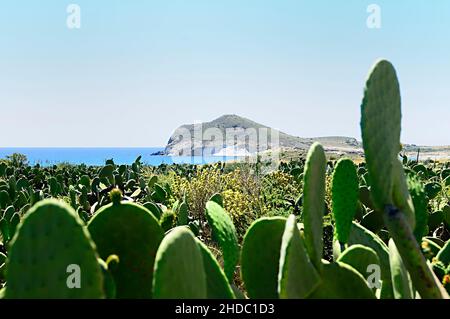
[52, 256]
[217, 284]
[362, 259]
[260, 257]
[420, 202]
[401, 281]
[182, 214]
[363, 236]
[218, 198]
[341, 281]
[179, 272]
[380, 126]
[314, 203]
[401, 196]
[344, 195]
[225, 234]
[297, 276]
[133, 234]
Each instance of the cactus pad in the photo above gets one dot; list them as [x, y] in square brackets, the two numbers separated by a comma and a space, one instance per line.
[260, 257]
[297, 276]
[341, 281]
[380, 126]
[216, 281]
[133, 234]
[225, 234]
[49, 240]
[314, 203]
[345, 192]
[179, 271]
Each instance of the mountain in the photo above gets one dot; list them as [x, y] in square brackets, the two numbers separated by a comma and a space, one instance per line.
[230, 135]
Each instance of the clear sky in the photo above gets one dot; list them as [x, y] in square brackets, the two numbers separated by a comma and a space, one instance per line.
[136, 70]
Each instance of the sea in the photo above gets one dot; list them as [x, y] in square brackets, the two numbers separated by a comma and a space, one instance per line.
[98, 156]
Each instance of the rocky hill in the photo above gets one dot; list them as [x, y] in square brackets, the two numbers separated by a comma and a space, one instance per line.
[230, 135]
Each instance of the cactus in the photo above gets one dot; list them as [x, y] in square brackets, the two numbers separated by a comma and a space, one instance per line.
[217, 198]
[182, 214]
[48, 242]
[297, 277]
[313, 203]
[360, 235]
[167, 220]
[360, 258]
[109, 285]
[154, 209]
[421, 274]
[260, 257]
[432, 189]
[133, 234]
[401, 196]
[217, 285]
[341, 281]
[420, 202]
[4, 199]
[179, 271]
[225, 234]
[401, 281]
[380, 125]
[344, 197]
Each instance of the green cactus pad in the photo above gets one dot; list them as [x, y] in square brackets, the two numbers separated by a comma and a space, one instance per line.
[422, 276]
[225, 234]
[218, 198]
[363, 236]
[109, 285]
[373, 221]
[401, 281]
[380, 125]
[154, 209]
[433, 189]
[182, 214]
[48, 242]
[401, 196]
[360, 258]
[435, 219]
[314, 203]
[344, 192]
[216, 281]
[260, 257]
[131, 232]
[179, 271]
[420, 201]
[297, 276]
[341, 281]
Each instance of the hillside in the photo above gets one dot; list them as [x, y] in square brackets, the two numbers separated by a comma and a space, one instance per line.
[240, 127]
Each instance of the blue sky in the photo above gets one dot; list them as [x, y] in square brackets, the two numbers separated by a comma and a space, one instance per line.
[138, 69]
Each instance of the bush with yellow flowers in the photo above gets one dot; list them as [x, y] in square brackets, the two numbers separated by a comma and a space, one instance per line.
[239, 189]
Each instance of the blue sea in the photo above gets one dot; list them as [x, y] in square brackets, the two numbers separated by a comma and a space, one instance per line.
[98, 156]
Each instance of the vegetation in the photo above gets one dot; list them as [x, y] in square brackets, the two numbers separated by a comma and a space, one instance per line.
[313, 228]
